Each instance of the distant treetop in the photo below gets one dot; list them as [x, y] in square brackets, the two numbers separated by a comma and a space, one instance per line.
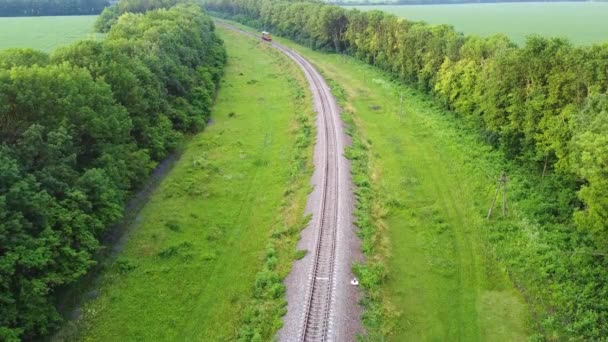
[33, 8]
[439, 2]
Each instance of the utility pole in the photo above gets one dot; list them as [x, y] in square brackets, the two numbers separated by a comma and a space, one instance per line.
[501, 181]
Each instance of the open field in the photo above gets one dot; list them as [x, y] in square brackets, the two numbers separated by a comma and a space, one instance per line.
[582, 23]
[434, 185]
[188, 270]
[44, 33]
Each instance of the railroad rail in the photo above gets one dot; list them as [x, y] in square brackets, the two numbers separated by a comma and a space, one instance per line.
[316, 321]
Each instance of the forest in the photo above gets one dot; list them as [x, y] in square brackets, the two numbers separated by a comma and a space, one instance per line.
[433, 2]
[20, 8]
[436, 2]
[80, 130]
[544, 105]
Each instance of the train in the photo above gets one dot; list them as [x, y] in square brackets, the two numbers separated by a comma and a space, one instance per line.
[266, 36]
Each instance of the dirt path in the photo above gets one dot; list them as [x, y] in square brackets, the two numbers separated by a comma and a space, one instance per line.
[322, 304]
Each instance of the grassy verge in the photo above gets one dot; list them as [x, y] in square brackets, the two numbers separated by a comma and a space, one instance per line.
[369, 215]
[424, 187]
[433, 276]
[225, 218]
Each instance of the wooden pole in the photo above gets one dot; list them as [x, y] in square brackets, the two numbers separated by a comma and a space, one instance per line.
[501, 181]
[494, 201]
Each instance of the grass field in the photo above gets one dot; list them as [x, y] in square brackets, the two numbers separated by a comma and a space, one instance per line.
[581, 22]
[44, 33]
[434, 185]
[188, 270]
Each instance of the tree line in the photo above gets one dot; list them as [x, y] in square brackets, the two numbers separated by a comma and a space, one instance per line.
[543, 104]
[21, 8]
[434, 2]
[80, 130]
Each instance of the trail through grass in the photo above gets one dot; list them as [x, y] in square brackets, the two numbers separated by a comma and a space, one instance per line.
[433, 184]
[45, 33]
[188, 269]
[581, 22]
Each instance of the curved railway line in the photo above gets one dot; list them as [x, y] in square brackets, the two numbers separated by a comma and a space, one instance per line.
[317, 311]
[316, 320]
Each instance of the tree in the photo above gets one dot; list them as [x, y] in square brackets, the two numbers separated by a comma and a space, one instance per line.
[79, 131]
[588, 157]
[22, 57]
[17, 8]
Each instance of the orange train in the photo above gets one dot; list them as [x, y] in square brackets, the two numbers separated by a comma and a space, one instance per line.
[266, 36]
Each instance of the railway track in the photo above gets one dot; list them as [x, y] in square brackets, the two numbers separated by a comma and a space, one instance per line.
[317, 319]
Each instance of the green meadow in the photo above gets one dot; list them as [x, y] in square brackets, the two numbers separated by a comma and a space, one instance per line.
[44, 33]
[581, 22]
[189, 266]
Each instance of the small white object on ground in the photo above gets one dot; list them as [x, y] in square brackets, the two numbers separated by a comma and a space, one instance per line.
[354, 282]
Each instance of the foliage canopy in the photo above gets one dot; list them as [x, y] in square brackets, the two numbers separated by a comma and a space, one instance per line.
[20, 8]
[79, 131]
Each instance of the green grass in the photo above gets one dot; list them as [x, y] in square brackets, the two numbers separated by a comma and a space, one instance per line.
[44, 33]
[581, 22]
[442, 282]
[188, 270]
[432, 184]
